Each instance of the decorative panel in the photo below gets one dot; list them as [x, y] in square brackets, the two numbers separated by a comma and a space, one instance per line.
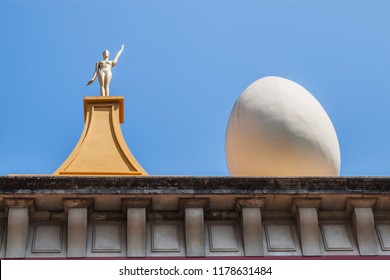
[336, 237]
[223, 238]
[47, 238]
[165, 237]
[383, 231]
[280, 237]
[107, 238]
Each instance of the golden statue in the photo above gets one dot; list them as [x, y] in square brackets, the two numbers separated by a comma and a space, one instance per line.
[103, 72]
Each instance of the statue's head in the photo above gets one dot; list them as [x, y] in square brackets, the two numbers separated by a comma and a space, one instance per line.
[106, 54]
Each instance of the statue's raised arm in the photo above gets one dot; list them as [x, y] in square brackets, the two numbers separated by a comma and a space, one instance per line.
[115, 61]
[103, 71]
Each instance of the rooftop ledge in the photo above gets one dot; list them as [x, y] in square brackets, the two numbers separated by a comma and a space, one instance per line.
[47, 184]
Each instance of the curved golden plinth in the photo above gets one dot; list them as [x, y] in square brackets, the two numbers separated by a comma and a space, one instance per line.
[101, 150]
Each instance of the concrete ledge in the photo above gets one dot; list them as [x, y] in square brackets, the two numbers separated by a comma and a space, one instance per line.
[30, 184]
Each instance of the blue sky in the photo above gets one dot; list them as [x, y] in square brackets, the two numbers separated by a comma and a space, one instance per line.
[184, 65]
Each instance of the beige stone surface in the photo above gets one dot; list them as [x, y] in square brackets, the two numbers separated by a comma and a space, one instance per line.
[383, 231]
[364, 227]
[280, 237]
[336, 237]
[194, 232]
[101, 150]
[147, 216]
[47, 239]
[77, 232]
[136, 232]
[165, 239]
[252, 233]
[106, 239]
[223, 238]
[17, 232]
[307, 223]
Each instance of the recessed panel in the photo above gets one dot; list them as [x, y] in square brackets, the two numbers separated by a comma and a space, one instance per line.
[47, 239]
[280, 237]
[223, 238]
[107, 238]
[165, 238]
[336, 237]
[383, 231]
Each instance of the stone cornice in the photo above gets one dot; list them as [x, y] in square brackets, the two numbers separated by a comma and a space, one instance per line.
[43, 184]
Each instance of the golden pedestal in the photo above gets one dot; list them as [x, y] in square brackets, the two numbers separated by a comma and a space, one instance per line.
[101, 150]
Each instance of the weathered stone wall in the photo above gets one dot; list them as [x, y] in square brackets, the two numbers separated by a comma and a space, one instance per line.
[67, 217]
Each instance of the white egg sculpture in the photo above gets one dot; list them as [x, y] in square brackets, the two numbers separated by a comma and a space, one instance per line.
[277, 128]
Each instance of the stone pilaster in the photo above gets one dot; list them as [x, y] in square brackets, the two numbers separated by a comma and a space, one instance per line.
[136, 210]
[251, 225]
[194, 226]
[307, 224]
[17, 227]
[364, 228]
[77, 210]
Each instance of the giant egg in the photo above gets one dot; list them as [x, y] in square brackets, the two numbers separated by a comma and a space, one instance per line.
[277, 128]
